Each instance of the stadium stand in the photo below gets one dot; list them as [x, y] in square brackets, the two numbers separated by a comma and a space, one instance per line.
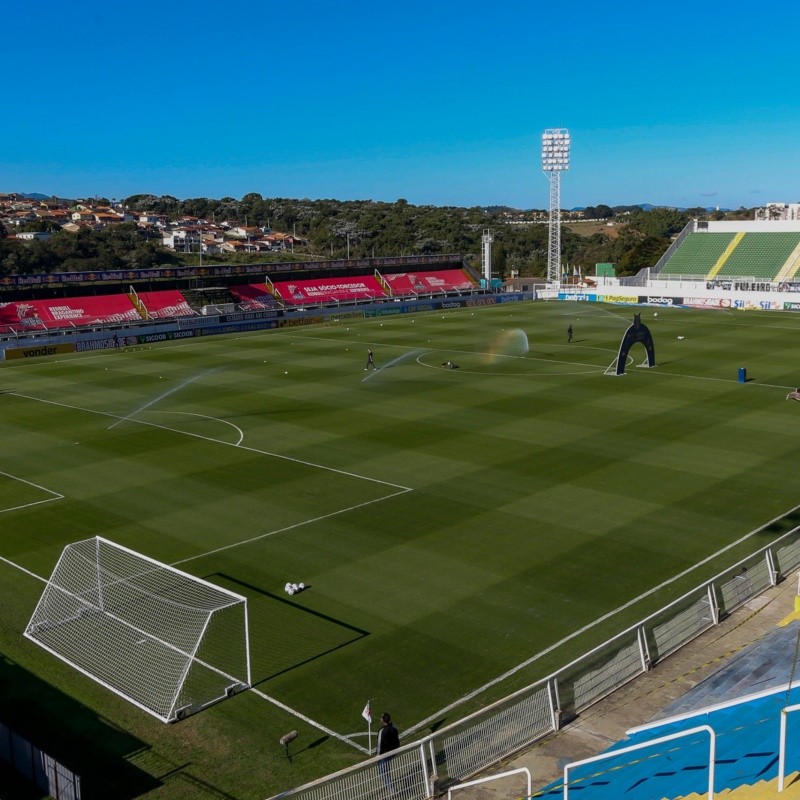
[698, 254]
[415, 283]
[166, 304]
[736, 679]
[760, 255]
[253, 297]
[329, 290]
[68, 312]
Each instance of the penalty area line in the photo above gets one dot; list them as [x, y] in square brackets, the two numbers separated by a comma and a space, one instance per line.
[291, 527]
[214, 441]
[54, 495]
[309, 721]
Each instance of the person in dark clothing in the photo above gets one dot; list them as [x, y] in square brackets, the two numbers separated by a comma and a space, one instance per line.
[388, 740]
[370, 361]
[569, 333]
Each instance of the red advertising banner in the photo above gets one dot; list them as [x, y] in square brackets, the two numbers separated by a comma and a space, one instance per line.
[253, 295]
[329, 290]
[67, 312]
[169, 303]
[445, 280]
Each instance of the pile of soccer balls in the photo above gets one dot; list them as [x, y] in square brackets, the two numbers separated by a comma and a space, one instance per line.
[294, 588]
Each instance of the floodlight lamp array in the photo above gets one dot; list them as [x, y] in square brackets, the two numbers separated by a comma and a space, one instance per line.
[555, 150]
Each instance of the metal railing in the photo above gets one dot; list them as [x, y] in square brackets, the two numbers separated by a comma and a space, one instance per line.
[459, 751]
[38, 767]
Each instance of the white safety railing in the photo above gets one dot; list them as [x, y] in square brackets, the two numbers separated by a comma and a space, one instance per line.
[489, 778]
[463, 749]
[613, 754]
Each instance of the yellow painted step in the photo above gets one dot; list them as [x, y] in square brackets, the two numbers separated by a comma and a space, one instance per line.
[763, 790]
[790, 267]
[725, 255]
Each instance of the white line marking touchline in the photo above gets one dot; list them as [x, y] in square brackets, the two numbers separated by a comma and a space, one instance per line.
[529, 661]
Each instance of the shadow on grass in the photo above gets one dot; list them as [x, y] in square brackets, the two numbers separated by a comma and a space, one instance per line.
[359, 633]
[72, 734]
[783, 524]
[315, 743]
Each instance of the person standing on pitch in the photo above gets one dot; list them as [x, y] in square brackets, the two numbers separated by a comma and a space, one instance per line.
[388, 740]
[370, 361]
[569, 333]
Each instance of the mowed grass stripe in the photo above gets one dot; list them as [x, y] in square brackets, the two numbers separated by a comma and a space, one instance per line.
[180, 495]
[546, 495]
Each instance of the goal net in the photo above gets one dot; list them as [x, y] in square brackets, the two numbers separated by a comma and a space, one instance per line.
[168, 642]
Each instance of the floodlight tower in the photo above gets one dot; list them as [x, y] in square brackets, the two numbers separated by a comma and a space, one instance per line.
[555, 160]
[486, 255]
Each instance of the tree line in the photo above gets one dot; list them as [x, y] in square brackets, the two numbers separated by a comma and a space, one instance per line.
[364, 228]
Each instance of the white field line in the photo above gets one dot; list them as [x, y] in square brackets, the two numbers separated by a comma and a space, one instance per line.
[464, 698]
[401, 489]
[215, 419]
[309, 721]
[55, 495]
[614, 612]
[290, 527]
[22, 569]
[216, 441]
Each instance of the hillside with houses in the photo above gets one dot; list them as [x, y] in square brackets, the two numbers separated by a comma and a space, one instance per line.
[40, 234]
[28, 219]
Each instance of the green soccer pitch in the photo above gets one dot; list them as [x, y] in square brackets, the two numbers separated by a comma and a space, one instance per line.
[449, 524]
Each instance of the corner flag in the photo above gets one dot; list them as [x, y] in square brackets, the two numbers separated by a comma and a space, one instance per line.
[367, 714]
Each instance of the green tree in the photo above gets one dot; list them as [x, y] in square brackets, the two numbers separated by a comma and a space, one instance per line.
[598, 212]
[660, 222]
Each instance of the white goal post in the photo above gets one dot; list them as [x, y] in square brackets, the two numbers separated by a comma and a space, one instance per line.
[166, 641]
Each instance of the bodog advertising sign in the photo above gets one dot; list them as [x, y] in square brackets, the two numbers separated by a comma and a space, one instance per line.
[38, 351]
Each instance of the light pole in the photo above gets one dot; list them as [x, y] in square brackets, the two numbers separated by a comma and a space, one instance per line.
[555, 160]
[486, 255]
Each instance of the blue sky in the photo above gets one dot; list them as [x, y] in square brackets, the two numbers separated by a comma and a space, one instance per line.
[439, 103]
